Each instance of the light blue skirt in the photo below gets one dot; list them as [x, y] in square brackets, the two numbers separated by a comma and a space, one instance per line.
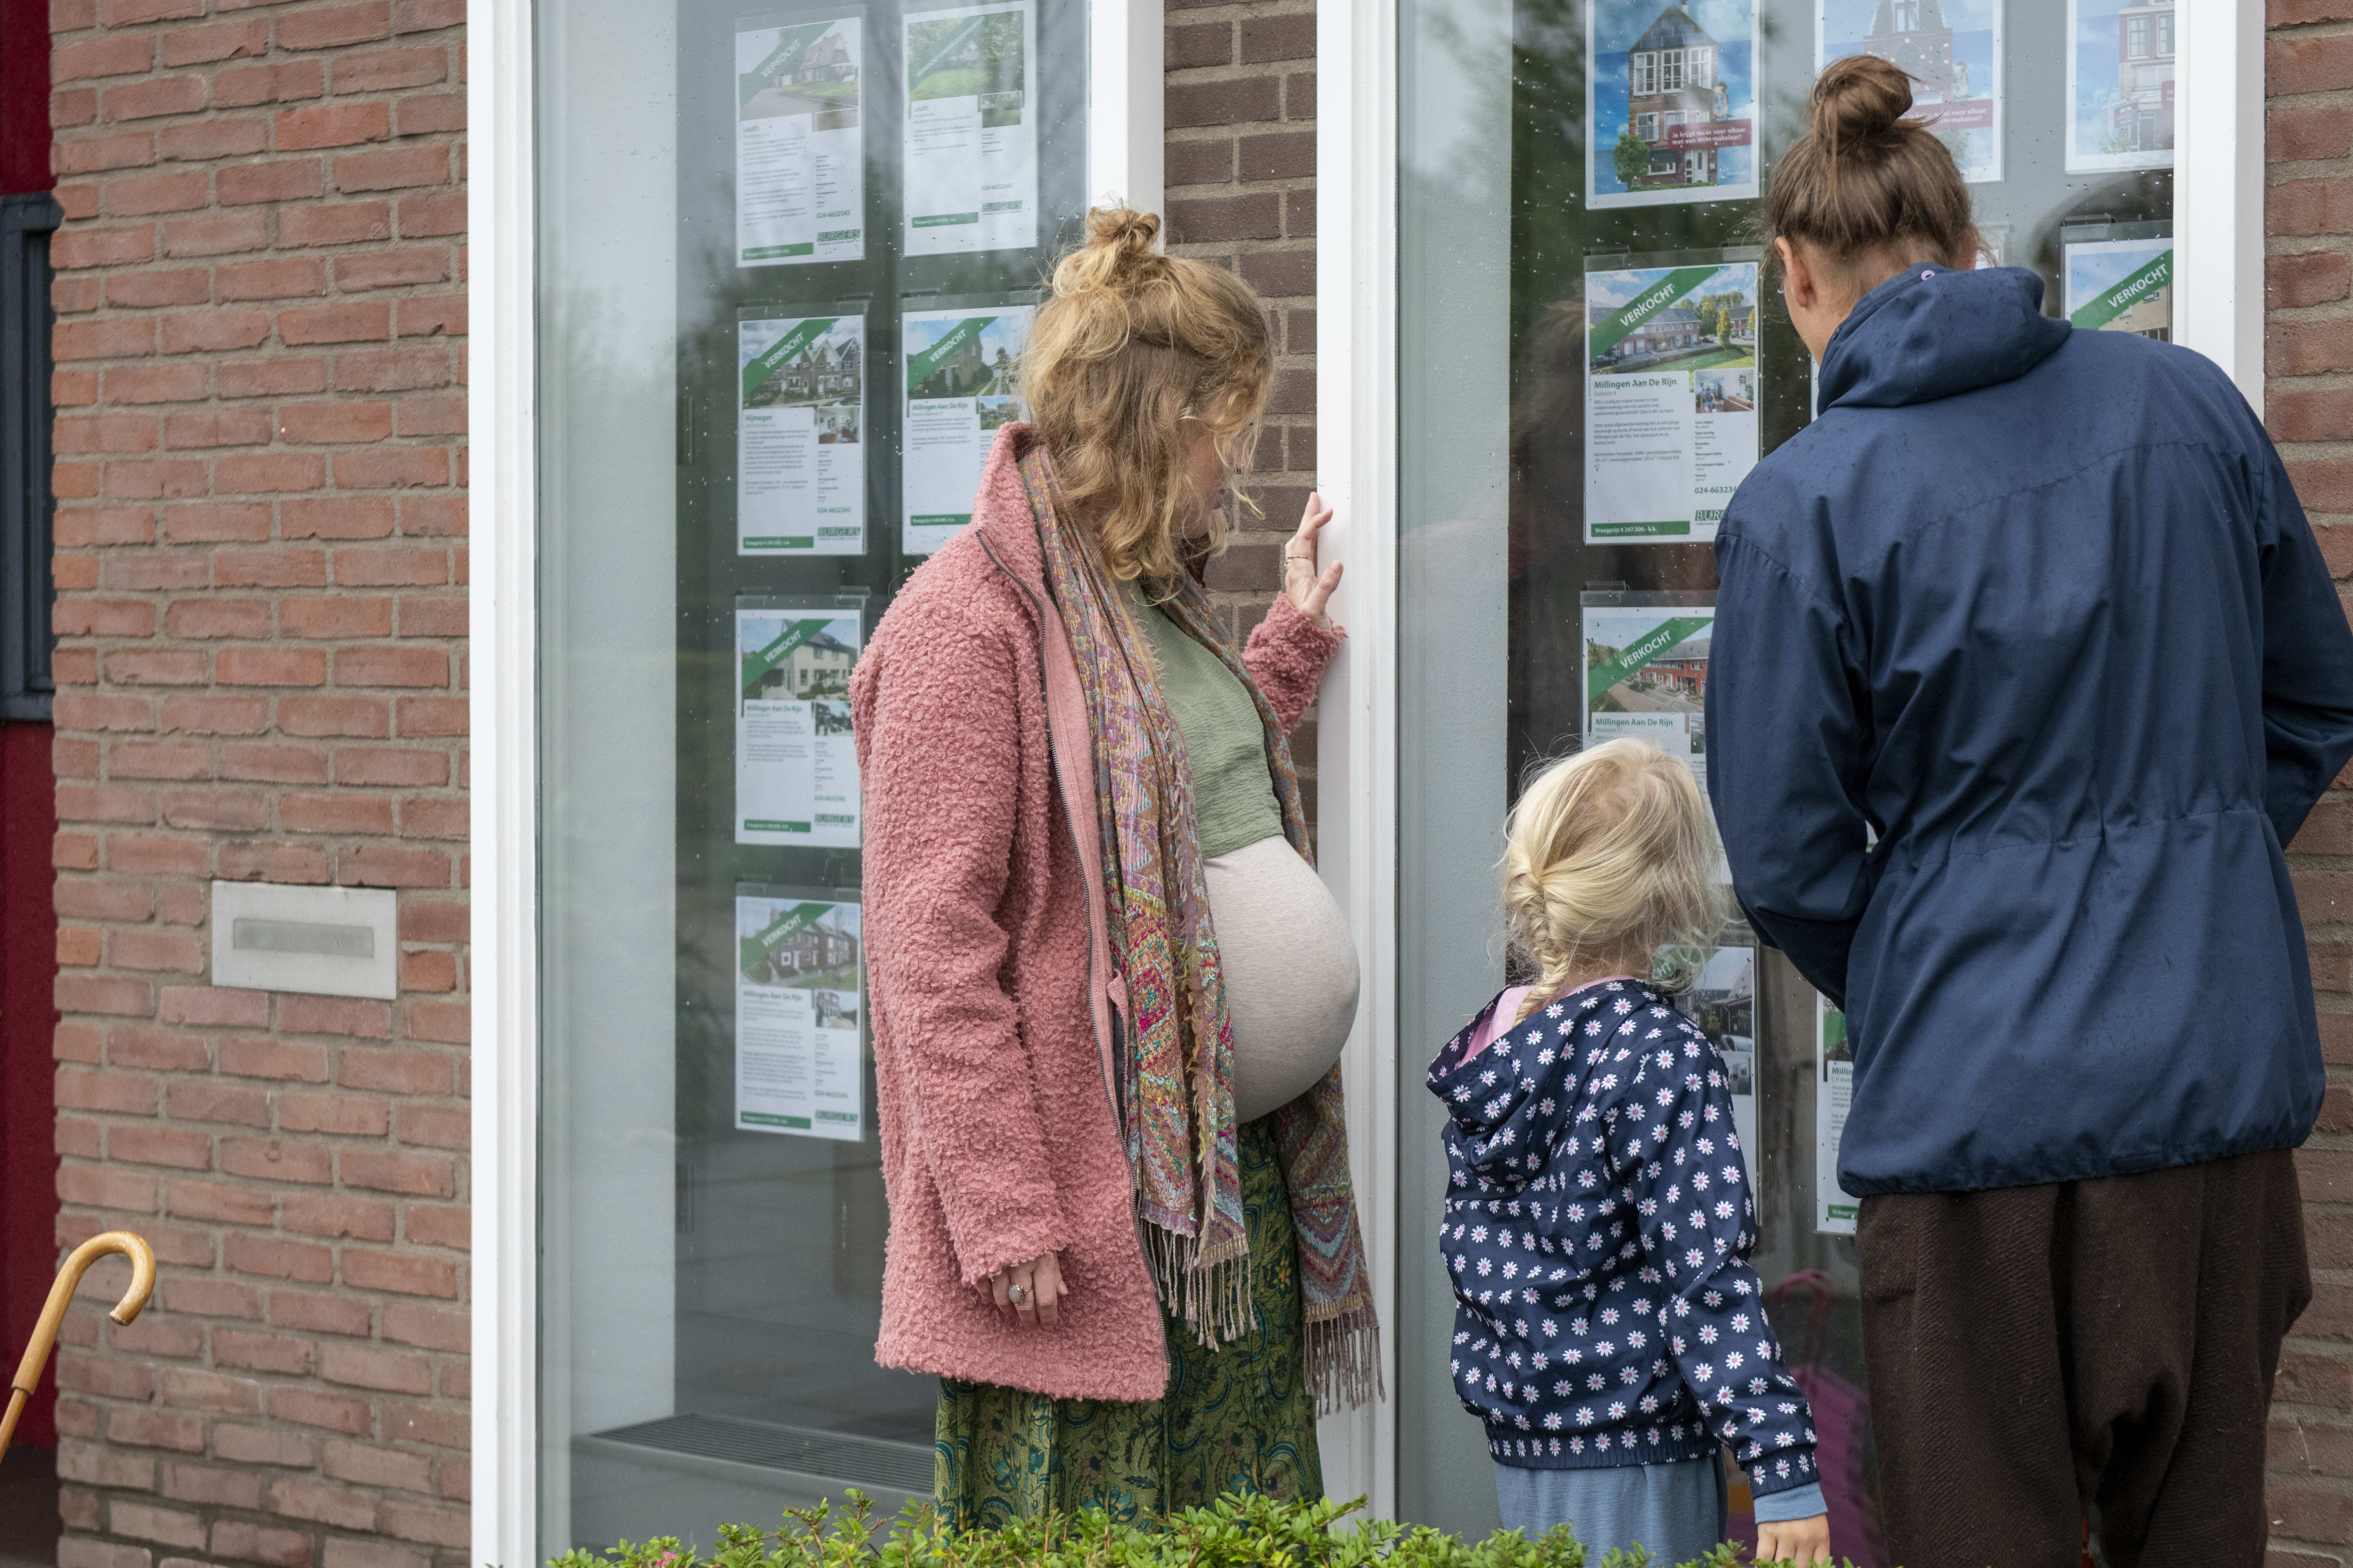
[1680, 1511]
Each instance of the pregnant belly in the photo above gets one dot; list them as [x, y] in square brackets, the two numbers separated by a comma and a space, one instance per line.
[1289, 969]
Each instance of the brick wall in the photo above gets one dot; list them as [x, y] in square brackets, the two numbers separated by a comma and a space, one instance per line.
[260, 663]
[1241, 191]
[2308, 403]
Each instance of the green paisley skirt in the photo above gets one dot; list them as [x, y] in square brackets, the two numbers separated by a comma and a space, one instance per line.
[1235, 1419]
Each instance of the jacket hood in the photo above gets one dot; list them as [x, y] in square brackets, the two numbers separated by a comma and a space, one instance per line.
[1930, 332]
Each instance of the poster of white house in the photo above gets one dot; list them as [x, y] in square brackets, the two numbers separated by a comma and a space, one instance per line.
[1671, 399]
[800, 165]
[800, 464]
[960, 388]
[2119, 85]
[1952, 51]
[1671, 113]
[2122, 285]
[796, 762]
[1646, 674]
[799, 1068]
[971, 130]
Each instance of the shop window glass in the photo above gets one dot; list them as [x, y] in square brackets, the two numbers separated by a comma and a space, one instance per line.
[788, 252]
[1554, 263]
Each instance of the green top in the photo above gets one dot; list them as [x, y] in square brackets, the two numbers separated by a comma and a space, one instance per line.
[1233, 789]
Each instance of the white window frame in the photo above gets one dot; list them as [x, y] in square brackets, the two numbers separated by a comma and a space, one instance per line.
[1670, 70]
[2218, 311]
[1124, 159]
[1643, 73]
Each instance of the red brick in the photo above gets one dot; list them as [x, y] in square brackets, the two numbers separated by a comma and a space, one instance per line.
[271, 1058]
[164, 1526]
[391, 370]
[206, 619]
[417, 1175]
[336, 24]
[204, 1100]
[216, 234]
[447, 1023]
[155, 96]
[217, 41]
[391, 169]
[429, 1227]
[347, 1114]
[322, 1314]
[152, 854]
[420, 566]
[270, 568]
[402, 1272]
[232, 811]
[204, 1484]
[308, 1407]
[272, 667]
[275, 1259]
[195, 715]
[425, 115]
[272, 377]
[216, 522]
[257, 1543]
[95, 1187]
[367, 717]
[344, 814]
[272, 863]
[410, 666]
[132, 12]
[156, 1430]
[422, 216]
[280, 278]
[345, 617]
[140, 1145]
[123, 56]
[371, 1467]
[224, 1201]
[196, 331]
[340, 1214]
[93, 155]
[354, 1017]
[341, 222]
[262, 1444]
[383, 71]
[123, 998]
[275, 765]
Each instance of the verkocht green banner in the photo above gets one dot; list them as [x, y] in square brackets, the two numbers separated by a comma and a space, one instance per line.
[1606, 332]
[2140, 286]
[1642, 650]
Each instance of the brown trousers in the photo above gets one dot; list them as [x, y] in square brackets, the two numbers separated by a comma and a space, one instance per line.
[2035, 1352]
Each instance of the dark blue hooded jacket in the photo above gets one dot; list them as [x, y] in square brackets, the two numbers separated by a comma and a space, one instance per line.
[2038, 608]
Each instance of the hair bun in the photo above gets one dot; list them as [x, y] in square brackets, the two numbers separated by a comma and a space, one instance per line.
[1860, 99]
[1117, 238]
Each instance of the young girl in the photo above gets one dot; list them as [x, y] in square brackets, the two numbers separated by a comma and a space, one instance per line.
[1609, 1329]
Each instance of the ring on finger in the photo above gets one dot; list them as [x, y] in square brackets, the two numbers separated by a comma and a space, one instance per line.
[1017, 1294]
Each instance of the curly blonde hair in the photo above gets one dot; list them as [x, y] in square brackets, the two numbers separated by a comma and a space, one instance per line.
[1610, 857]
[1136, 356]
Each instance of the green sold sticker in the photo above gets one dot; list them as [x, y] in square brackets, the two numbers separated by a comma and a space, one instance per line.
[1607, 333]
[1642, 650]
[792, 43]
[2140, 286]
[920, 366]
[768, 361]
[780, 649]
[789, 923]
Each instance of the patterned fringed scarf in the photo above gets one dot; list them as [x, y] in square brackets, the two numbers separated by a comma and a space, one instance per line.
[1176, 1083]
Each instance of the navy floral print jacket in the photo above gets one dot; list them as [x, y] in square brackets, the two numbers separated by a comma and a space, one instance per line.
[1597, 1229]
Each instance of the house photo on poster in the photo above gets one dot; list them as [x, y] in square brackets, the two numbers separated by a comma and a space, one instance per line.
[800, 165]
[1671, 113]
[971, 130]
[800, 1064]
[2122, 285]
[800, 464]
[1952, 51]
[1646, 674]
[960, 388]
[795, 760]
[1723, 1003]
[2119, 85]
[1671, 399]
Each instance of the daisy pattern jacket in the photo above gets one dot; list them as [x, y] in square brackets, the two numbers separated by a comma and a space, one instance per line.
[1598, 1228]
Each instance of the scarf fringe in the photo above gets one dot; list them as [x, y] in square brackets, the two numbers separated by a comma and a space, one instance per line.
[1344, 1360]
[1210, 1289]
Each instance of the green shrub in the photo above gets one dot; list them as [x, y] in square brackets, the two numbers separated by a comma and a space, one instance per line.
[1237, 1532]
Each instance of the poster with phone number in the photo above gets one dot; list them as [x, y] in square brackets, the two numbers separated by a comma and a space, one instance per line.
[800, 1064]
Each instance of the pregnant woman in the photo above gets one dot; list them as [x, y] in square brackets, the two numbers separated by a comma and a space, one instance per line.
[1109, 990]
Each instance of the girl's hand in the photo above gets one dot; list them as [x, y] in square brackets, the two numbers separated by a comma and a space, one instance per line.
[1804, 1542]
[1040, 1282]
[1307, 589]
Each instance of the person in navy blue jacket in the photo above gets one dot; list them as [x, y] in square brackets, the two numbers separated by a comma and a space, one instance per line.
[2026, 667]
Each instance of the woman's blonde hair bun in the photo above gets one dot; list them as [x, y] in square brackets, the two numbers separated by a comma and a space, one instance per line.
[1138, 355]
[1612, 859]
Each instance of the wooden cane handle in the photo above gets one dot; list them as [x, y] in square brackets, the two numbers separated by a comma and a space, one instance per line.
[77, 1262]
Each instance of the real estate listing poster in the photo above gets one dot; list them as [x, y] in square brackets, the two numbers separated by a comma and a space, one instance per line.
[960, 388]
[1670, 399]
[1723, 1003]
[1952, 51]
[1834, 1211]
[800, 452]
[1671, 115]
[972, 128]
[2122, 285]
[799, 1067]
[800, 163]
[796, 764]
[2119, 85]
[1646, 672]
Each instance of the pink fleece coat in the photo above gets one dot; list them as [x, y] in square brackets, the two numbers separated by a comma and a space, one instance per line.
[992, 993]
